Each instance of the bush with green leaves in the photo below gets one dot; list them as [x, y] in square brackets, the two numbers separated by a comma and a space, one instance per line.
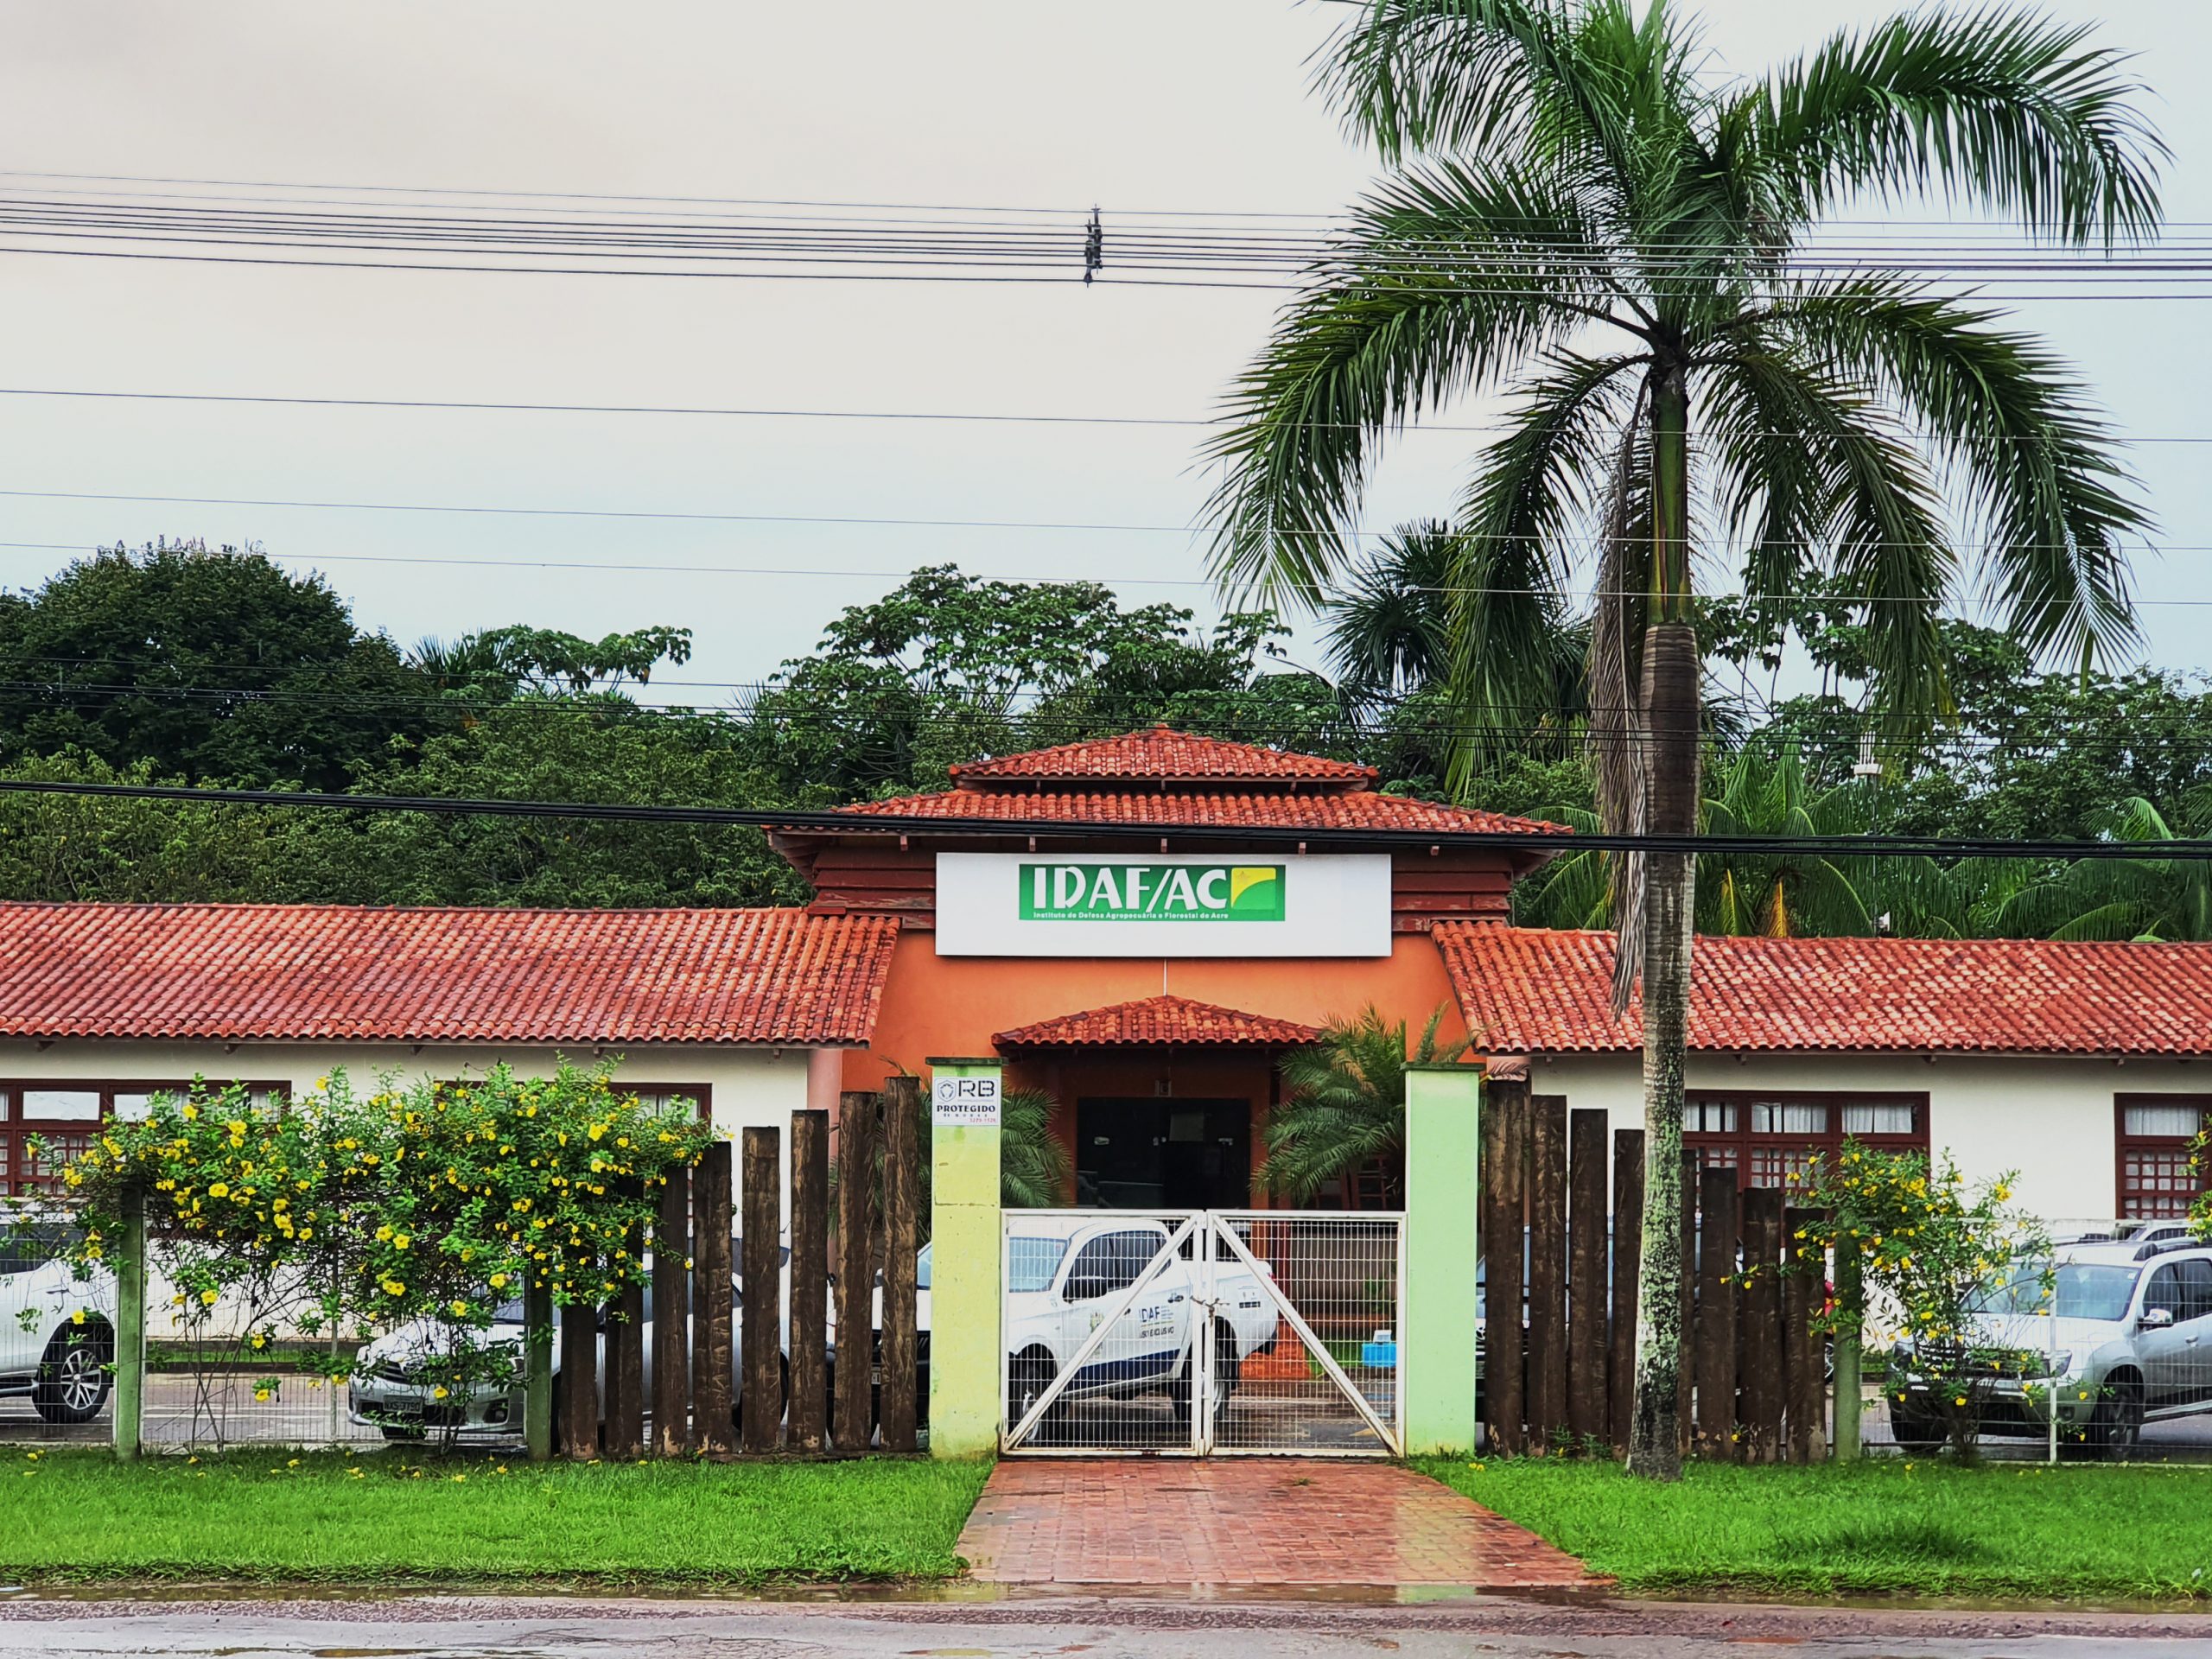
[1931, 1250]
[428, 1202]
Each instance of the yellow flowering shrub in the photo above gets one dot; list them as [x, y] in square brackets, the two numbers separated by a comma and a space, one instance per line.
[1932, 1249]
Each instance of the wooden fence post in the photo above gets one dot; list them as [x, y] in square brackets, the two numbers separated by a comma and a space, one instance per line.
[850, 1429]
[902, 1197]
[1716, 1314]
[625, 1361]
[712, 1349]
[1762, 1334]
[1628, 1276]
[1850, 1295]
[537, 1338]
[579, 1382]
[1547, 1268]
[1501, 1170]
[1588, 1400]
[810, 1402]
[760, 1394]
[672, 1389]
[1801, 1301]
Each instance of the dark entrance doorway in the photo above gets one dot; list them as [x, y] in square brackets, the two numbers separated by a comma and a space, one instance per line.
[1166, 1154]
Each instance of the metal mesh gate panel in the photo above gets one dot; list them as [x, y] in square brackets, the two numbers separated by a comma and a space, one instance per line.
[1196, 1332]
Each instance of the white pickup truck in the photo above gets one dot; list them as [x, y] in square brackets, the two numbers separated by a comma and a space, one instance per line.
[1064, 1274]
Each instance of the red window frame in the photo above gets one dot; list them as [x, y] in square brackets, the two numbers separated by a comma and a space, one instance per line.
[68, 1136]
[2151, 1178]
[1767, 1156]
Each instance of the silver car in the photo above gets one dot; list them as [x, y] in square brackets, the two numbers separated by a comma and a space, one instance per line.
[2131, 1344]
[57, 1331]
[395, 1385]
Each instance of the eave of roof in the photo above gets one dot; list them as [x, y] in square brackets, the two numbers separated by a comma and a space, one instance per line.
[1539, 991]
[1155, 1021]
[229, 973]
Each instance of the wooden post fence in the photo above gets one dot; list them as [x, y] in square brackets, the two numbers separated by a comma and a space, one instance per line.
[1628, 1278]
[1715, 1346]
[1547, 1268]
[579, 1388]
[1589, 1405]
[902, 1196]
[672, 1297]
[1502, 1171]
[809, 1405]
[760, 1391]
[626, 1362]
[850, 1429]
[712, 1356]
[1761, 1337]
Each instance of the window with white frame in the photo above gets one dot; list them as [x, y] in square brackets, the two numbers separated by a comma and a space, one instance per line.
[1775, 1138]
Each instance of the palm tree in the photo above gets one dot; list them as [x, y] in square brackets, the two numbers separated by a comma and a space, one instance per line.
[1034, 1169]
[1344, 1106]
[1580, 213]
[2145, 897]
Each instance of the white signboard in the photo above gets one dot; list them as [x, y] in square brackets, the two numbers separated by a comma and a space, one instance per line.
[1139, 904]
[964, 1102]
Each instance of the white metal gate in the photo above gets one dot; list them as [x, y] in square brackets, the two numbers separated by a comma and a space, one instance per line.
[1202, 1332]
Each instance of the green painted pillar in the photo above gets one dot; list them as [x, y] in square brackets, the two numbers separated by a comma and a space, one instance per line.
[965, 1256]
[129, 1258]
[1436, 1349]
[538, 1369]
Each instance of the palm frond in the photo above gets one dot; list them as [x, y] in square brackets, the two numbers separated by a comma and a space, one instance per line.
[1449, 276]
[1992, 107]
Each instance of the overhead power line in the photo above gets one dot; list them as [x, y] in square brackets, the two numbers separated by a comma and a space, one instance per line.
[836, 822]
[980, 418]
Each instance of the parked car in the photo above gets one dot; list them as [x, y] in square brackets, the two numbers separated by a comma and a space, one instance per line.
[2132, 1339]
[1065, 1273]
[394, 1382]
[57, 1331]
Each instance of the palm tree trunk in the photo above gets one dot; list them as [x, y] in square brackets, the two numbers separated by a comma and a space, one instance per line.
[1669, 695]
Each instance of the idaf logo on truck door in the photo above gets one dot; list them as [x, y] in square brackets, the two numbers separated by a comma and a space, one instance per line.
[1162, 904]
[1088, 891]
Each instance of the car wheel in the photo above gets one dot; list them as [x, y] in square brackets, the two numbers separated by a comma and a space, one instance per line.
[74, 1377]
[2115, 1429]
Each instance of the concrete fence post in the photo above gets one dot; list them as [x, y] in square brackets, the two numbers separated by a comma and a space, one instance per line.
[967, 1251]
[130, 1357]
[1436, 1350]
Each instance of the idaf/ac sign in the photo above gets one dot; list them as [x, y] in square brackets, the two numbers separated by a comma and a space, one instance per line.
[1088, 891]
[1135, 905]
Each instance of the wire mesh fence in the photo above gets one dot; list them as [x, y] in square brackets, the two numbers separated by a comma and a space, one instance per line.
[1197, 1332]
[2095, 1344]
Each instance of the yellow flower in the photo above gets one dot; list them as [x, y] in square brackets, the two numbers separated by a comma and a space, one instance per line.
[221, 1190]
[208, 1298]
[499, 1281]
[457, 1306]
[263, 1392]
[78, 1318]
[438, 1393]
[394, 1288]
[400, 1240]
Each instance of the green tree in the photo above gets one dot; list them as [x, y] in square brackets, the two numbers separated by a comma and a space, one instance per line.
[2149, 897]
[204, 663]
[1581, 213]
[1345, 1104]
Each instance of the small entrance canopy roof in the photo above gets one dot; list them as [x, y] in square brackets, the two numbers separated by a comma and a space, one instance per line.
[1159, 1021]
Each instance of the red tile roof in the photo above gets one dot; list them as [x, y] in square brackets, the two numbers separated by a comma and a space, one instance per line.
[1348, 810]
[330, 972]
[1160, 1019]
[1533, 990]
[1168, 756]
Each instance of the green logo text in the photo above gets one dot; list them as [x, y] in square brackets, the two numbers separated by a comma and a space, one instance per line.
[1152, 893]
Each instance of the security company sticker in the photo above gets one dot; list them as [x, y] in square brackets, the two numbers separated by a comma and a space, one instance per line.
[964, 1102]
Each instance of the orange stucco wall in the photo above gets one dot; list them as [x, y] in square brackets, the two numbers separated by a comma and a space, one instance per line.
[954, 1005]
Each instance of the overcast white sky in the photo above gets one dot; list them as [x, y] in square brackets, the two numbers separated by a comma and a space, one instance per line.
[1199, 105]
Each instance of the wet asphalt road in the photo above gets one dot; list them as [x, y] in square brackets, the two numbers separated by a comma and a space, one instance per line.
[1106, 1627]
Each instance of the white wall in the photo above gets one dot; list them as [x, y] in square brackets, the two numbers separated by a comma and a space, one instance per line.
[2050, 1118]
[749, 1087]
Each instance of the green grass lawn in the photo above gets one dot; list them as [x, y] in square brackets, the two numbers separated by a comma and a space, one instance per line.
[1888, 1526]
[78, 1516]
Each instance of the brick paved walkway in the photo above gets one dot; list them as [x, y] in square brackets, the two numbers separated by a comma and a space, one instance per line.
[1245, 1521]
